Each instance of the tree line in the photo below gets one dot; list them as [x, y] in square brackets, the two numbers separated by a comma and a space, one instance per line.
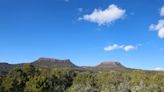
[31, 79]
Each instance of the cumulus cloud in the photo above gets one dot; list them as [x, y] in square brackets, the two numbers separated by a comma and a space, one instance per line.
[162, 11]
[158, 27]
[123, 47]
[106, 16]
[161, 33]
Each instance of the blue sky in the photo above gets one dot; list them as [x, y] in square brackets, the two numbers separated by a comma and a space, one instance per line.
[85, 31]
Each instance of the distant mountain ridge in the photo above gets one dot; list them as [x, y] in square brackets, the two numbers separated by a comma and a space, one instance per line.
[66, 63]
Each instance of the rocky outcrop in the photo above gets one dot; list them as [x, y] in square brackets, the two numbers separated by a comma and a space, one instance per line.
[105, 66]
[66, 63]
[50, 62]
[110, 65]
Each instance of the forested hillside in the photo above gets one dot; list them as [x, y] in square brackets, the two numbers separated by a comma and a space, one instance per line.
[33, 79]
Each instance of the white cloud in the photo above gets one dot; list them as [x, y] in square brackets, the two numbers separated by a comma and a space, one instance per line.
[162, 11]
[129, 48]
[123, 47]
[158, 69]
[158, 27]
[113, 47]
[106, 16]
[161, 33]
